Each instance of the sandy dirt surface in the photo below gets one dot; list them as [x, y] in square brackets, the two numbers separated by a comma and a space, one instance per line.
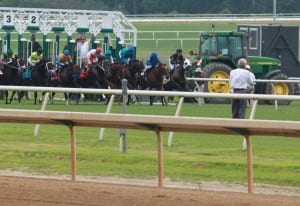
[29, 191]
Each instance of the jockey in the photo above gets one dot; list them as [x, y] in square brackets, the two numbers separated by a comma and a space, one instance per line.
[9, 56]
[152, 62]
[93, 57]
[35, 57]
[107, 56]
[176, 59]
[126, 55]
[64, 58]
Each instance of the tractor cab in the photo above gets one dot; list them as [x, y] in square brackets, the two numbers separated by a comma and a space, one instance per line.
[223, 44]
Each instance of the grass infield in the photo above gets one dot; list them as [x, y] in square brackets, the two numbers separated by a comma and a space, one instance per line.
[193, 157]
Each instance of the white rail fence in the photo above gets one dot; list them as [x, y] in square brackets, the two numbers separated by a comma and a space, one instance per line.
[156, 123]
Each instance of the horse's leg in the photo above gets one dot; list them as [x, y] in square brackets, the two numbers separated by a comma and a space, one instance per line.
[67, 98]
[21, 94]
[128, 100]
[6, 97]
[163, 101]
[52, 97]
[77, 96]
[12, 96]
[41, 98]
[151, 98]
[27, 94]
[35, 97]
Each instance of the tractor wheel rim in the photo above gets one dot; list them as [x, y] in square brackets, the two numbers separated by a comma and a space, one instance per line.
[281, 89]
[218, 86]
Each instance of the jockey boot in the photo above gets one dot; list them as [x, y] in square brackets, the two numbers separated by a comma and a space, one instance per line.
[146, 74]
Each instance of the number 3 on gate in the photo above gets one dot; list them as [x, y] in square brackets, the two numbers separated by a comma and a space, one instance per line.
[8, 19]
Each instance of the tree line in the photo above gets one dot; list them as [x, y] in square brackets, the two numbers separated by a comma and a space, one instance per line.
[135, 7]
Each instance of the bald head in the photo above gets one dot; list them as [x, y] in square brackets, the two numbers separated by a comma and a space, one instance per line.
[242, 63]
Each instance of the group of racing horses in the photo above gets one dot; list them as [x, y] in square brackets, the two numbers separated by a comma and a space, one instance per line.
[107, 75]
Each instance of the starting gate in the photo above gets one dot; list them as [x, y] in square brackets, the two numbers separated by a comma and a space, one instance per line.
[113, 26]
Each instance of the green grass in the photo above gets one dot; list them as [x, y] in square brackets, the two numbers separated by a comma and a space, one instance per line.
[193, 157]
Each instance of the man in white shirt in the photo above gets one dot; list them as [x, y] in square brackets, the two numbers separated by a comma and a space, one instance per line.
[240, 79]
[83, 47]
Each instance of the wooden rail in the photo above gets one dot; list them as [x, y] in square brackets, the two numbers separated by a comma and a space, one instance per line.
[156, 123]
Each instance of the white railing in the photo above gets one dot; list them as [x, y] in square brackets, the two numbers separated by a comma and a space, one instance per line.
[152, 93]
[156, 123]
[214, 17]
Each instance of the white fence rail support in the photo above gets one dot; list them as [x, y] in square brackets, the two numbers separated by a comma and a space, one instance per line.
[178, 110]
[253, 111]
[108, 110]
[37, 126]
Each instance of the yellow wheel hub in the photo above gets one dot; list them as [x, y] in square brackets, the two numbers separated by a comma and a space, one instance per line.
[280, 89]
[218, 86]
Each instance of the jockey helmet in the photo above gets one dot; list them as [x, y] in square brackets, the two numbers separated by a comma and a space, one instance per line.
[39, 50]
[108, 52]
[66, 52]
[131, 49]
[154, 54]
[10, 52]
[179, 51]
[98, 50]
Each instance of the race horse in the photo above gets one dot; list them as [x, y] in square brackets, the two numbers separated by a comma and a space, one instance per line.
[95, 78]
[156, 79]
[68, 76]
[178, 77]
[10, 76]
[114, 75]
[37, 75]
[132, 73]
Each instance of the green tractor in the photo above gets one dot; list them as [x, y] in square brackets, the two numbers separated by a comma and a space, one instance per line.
[219, 53]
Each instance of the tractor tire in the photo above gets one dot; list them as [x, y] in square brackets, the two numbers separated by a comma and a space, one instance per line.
[217, 70]
[280, 88]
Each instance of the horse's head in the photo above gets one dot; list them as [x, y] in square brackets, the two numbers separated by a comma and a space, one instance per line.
[96, 70]
[163, 69]
[187, 64]
[75, 68]
[22, 63]
[136, 67]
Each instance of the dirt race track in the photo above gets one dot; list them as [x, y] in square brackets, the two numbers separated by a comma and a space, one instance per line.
[28, 191]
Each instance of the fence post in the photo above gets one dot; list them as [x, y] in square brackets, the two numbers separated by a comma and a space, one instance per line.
[108, 110]
[253, 110]
[178, 110]
[122, 131]
[37, 126]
